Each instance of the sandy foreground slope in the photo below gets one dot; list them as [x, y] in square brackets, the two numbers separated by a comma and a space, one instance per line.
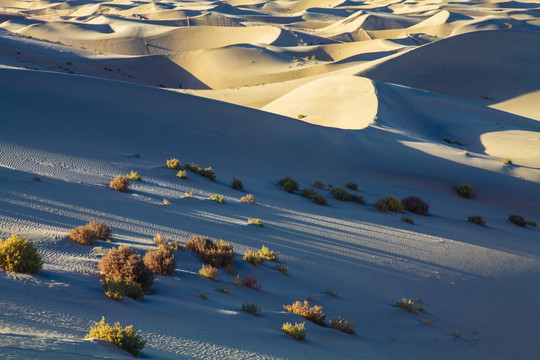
[331, 90]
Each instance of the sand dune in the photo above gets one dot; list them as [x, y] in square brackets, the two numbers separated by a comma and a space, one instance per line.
[398, 97]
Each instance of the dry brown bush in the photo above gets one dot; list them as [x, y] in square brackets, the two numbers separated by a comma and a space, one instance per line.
[123, 263]
[101, 230]
[415, 205]
[311, 313]
[209, 272]
[160, 262]
[249, 198]
[215, 253]
[120, 183]
[82, 235]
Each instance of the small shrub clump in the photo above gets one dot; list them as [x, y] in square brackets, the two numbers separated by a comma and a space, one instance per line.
[217, 197]
[308, 193]
[531, 223]
[267, 254]
[331, 292]
[477, 219]
[407, 219]
[123, 263]
[165, 245]
[251, 282]
[411, 305]
[342, 325]
[311, 313]
[249, 198]
[518, 220]
[297, 331]
[182, 175]
[125, 338]
[389, 203]
[215, 253]
[341, 194]
[352, 186]
[87, 234]
[117, 289]
[415, 205]
[464, 190]
[120, 183]
[288, 184]
[237, 184]
[134, 176]
[166, 202]
[209, 272]
[318, 184]
[160, 261]
[207, 173]
[257, 222]
[314, 196]
[253, 258]
[19, 255]
[282, 269]
[251, 308]
[173, 163]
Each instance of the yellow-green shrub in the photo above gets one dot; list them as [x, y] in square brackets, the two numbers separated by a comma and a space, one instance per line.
[117, 289]
[297, 331]
[209, 272]
[253, 258]
[173, 163]
[267, 254]
[342, 325]
[19, 255]
[125, 338]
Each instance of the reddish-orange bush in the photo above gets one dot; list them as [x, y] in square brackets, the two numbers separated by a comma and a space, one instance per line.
[311, 313]
[123, 263]
[120, 183]
[160, 261]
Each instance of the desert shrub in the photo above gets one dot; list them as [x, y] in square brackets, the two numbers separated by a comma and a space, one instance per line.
[215, 253]
[251, 308]
[308, 193]
[477, 219]
[250, 282]
[389, 203]
[182, 175]
[507, 161]
[415, 205]
[531, 223]
[407, 219]
[297, 331]
[257, 222]
[165, 245]
[238, 281]
[464, 190]
[19, 255]
[455, 142]
[426, 321]
[191, 167]
[331, 292]
[224, 289]
[352, 186]
[160, 262]
[518, 220]
[125, 338]
[288, 184]
[123, 263]
[82, 235]
[318, 184]
[173, 163]
[411, 305]
[203, 295]
[282, 269]
[342, 325]
[188, 194]
[134, 176]
[253, 258]
[120, 183]
[358, 199]
[249, 198]
[117, 289]
[311, 313]
[319, 199]
[207, 173]
[237, 184]
[341, 194]
[101, 230]
[166, 202]
[217, 197]
[267, 254]
[209, 272]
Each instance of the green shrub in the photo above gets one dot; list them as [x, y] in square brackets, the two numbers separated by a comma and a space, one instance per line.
[411, 305]
[455, 142]
[207, 173]
[318, 184]
[415, 205]
[518, 220]
[257, 222]
[341, 194]
[251, 308]
[352, 186]
[173, 163]
[19, 255]
[308, 193]
[209, 272]
[266, 253]
[117, 289]
[342, 325]
[224, 289]
[217, 197]
[319, 199]
[311, 313]
[288, 184]
[249, 198]
[389, 203]
[125, 338]
[331, 292]
[203, 295]
[297, 331]
[160, 261]
[237, 184]
[123, 263]
[282, 269]
[182, 175]
[464, 190]
[134, 176]
[120, 183]
[477, 219]
[253, 258]
[407, 219]
[358, 199]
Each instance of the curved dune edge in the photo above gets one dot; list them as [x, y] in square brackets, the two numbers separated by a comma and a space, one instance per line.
[345, 102]
[521, 147]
